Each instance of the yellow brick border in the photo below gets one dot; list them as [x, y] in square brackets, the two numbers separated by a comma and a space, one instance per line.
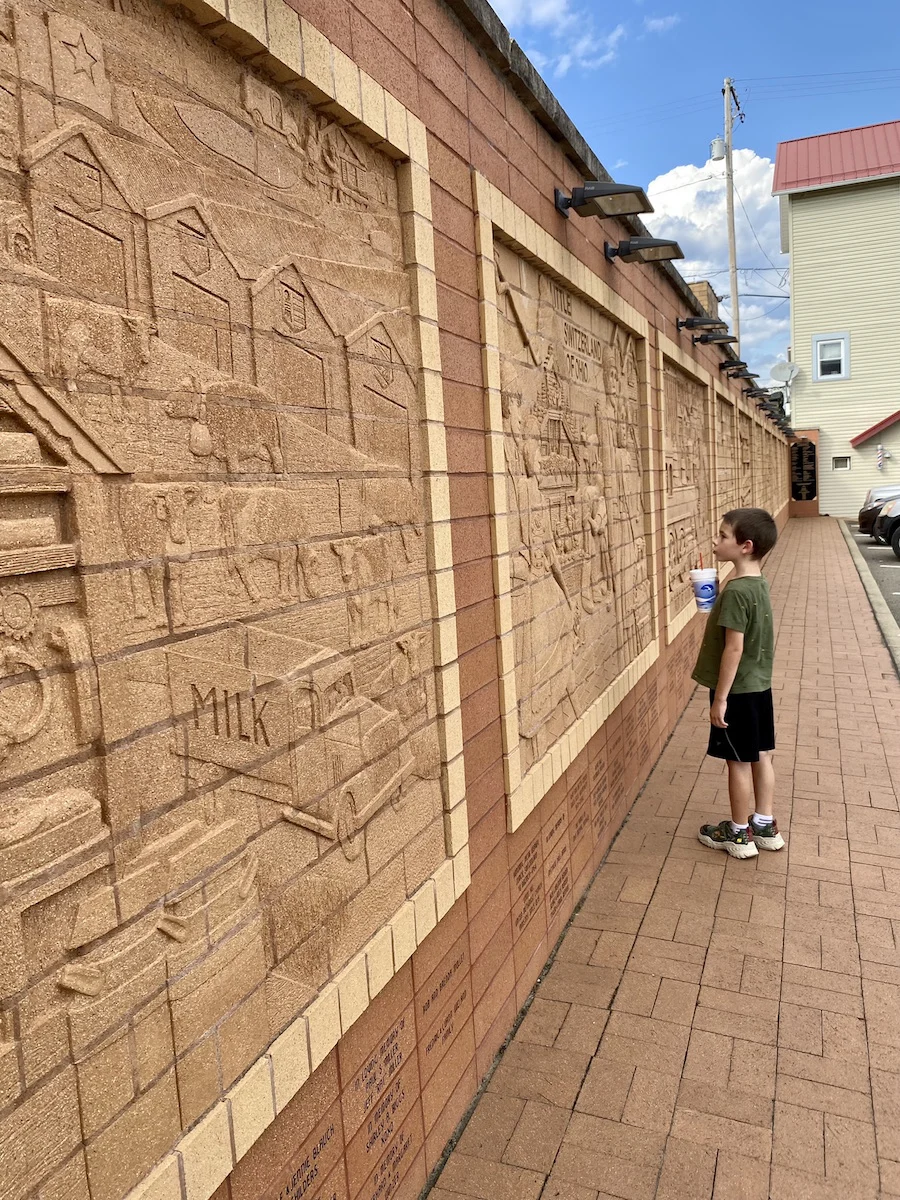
[295, 54]
[496, 214]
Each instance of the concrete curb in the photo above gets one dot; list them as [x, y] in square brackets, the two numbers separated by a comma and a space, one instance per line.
[890, 630]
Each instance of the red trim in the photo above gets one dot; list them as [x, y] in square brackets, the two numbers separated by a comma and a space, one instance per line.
[868, 433]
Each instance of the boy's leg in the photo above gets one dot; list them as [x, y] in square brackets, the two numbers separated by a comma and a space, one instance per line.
[741, 779]
[764, 783]
[737, 843]
[765, 832]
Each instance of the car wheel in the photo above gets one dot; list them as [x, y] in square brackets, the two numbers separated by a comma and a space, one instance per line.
[895, 540]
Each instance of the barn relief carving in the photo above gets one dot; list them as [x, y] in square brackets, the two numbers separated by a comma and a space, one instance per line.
[219, 763]
[687, 482]
[578, 544]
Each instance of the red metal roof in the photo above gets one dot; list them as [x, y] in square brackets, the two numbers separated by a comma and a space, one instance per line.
[833, 158]
[869, 433]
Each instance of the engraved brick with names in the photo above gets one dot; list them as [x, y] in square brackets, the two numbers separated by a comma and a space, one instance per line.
[444, 1005]
[313, 1163]
[528, 882]
[557, 878]
[364, 1091]
[388, 1112]
[396, 1161]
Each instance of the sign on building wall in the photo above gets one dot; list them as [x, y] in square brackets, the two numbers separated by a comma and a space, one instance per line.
[804, 470]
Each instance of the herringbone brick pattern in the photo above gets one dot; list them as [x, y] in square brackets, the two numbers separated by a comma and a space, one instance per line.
[721, 1028]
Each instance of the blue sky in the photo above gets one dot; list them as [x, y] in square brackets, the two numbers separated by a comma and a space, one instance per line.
[642, 80]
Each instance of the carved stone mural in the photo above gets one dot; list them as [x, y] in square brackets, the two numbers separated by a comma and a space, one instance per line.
[573, 415]
[726, 455]
[219, 755]
[764, 476]
[687, 482]
[745, 460]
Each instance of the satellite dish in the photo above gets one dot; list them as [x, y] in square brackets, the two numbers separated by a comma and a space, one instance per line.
[784, 372]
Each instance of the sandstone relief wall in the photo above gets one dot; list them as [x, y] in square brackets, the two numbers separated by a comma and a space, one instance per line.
[221, 730]
[688, 494]
[746, 491]
[576, 497]
[726, 453]
[572, 499]
[339, 536]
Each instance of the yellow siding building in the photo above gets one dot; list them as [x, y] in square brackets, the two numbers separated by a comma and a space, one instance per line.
[840, 202]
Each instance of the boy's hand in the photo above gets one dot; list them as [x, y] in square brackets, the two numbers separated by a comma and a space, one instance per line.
[717, 714]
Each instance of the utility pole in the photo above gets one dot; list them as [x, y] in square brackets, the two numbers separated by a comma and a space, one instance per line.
[728, 92]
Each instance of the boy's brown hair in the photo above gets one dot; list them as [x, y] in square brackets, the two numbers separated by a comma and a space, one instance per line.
[753, 525]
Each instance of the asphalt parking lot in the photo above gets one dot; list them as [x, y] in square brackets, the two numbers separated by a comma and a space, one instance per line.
[883, 564]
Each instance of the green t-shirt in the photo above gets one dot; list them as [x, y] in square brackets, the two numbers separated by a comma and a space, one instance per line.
[742, 604]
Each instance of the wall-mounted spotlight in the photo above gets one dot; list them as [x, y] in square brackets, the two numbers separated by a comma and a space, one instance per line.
[732, 366]
[643, 250]
[700, 323]
[714, 339]
[603, 199]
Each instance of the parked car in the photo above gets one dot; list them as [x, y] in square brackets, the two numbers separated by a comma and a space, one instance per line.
[875, 500]
[887, 526]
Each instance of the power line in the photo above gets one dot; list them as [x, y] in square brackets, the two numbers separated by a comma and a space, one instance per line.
[768, 312]
[821, 75]
[666, 113]
[773, 86]
[690, 183]
[752, 230]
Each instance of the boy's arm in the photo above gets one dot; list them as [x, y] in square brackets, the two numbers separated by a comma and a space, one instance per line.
[731, 658]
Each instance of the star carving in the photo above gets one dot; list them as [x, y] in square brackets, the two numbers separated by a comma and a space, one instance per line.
[83, 60]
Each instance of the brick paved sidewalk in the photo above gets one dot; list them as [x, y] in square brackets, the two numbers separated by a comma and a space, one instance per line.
[722, 1028]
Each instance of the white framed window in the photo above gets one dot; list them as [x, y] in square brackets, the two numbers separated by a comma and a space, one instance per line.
[842, 463]
[831, 356]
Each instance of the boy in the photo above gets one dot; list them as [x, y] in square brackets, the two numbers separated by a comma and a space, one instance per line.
[735, 663]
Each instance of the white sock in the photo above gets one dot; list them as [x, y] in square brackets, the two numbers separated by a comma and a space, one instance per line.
[759, 819]
[737, 828]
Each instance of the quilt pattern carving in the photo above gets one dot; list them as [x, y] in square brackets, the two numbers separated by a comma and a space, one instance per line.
[572, 400]
[220, 772]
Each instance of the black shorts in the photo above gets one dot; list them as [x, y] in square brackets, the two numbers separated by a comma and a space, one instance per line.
[751, 727]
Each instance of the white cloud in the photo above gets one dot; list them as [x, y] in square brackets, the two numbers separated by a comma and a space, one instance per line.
[540, 13]
[690, 206]
[661, 24]
[589, 51]
[568, 37]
